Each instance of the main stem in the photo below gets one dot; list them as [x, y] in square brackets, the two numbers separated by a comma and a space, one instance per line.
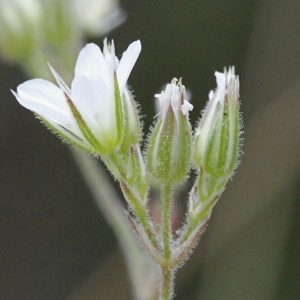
[167, 200]
[167, 284]
[167, 272]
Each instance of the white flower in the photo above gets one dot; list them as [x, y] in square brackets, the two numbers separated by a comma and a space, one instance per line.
[90, 114]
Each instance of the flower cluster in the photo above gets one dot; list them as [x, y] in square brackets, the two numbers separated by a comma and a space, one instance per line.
[98, 114]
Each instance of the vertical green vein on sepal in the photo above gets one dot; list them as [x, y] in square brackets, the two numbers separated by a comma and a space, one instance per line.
[86, 131]
[160, 150]
[236, 132]
[169, 148]
[225, 137]
[210, 152]
[185, 144]
[119, 110]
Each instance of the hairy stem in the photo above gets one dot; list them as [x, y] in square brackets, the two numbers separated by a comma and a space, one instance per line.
[167, 234]
[167, 284]
[167, 272]
[140, 211]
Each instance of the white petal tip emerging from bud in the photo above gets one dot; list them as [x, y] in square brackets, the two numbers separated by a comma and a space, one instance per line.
[186, 107]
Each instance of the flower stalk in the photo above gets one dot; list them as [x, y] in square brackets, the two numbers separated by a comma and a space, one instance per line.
[167, 271]
[166, 227]
[167, 284]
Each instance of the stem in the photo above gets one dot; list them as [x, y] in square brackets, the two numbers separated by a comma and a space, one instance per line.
[144, 219]
[167, 284]
[167, 200]
[167, 272]
[140, 211]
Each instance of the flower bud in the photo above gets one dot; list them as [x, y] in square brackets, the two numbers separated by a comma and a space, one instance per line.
[216, 143]
[136, 174]
[132, 127]
[169, 147]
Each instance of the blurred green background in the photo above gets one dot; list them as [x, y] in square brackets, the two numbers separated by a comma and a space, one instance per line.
[55, 244]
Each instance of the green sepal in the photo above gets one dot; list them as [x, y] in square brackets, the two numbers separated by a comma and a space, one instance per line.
[118, 111]
[86, 131]
[169, 149]
[64, 136]
[136, 175]
[132, 128]
[221, 152]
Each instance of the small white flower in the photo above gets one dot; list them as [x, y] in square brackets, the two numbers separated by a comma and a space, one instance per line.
[90, 114]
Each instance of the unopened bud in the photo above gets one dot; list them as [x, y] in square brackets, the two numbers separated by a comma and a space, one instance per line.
[136, 175]
[169, 147]
[217, 137]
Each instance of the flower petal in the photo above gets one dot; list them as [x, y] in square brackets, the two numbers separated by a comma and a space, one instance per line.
[46, 99]
[93, 100]
[127, 62]
[91, 63]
